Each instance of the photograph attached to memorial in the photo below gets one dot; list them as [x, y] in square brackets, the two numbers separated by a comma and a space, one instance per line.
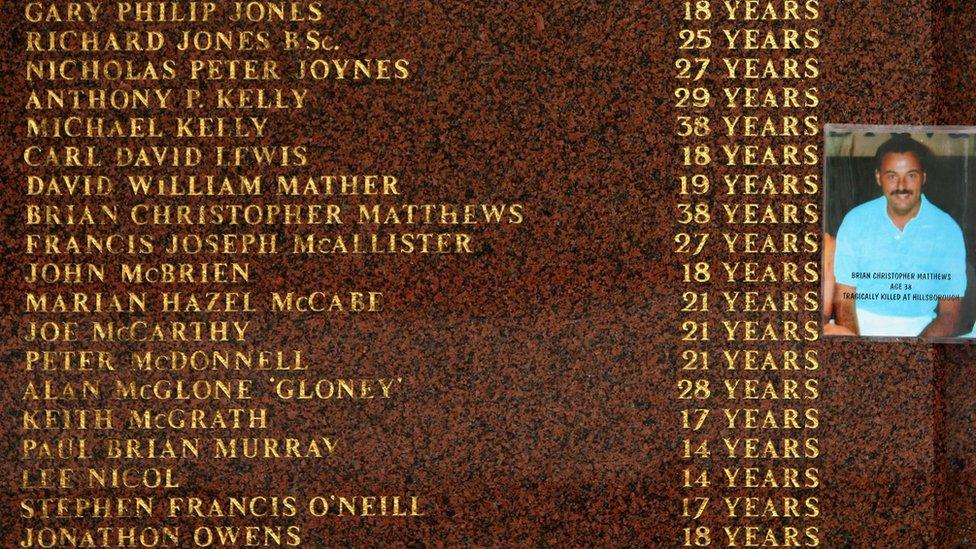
[899, 232]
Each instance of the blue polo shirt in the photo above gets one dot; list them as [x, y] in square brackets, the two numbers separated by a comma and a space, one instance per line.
[900, 272]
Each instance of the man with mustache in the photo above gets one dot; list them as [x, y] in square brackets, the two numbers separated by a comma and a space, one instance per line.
[900, 262]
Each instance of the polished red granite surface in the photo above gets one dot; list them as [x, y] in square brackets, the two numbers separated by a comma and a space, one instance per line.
[537, 400]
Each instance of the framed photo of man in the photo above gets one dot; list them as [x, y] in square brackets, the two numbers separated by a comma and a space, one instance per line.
[899, 232]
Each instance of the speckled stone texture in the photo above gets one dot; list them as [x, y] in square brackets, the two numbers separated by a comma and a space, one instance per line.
[955, 90]
[538, 402]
